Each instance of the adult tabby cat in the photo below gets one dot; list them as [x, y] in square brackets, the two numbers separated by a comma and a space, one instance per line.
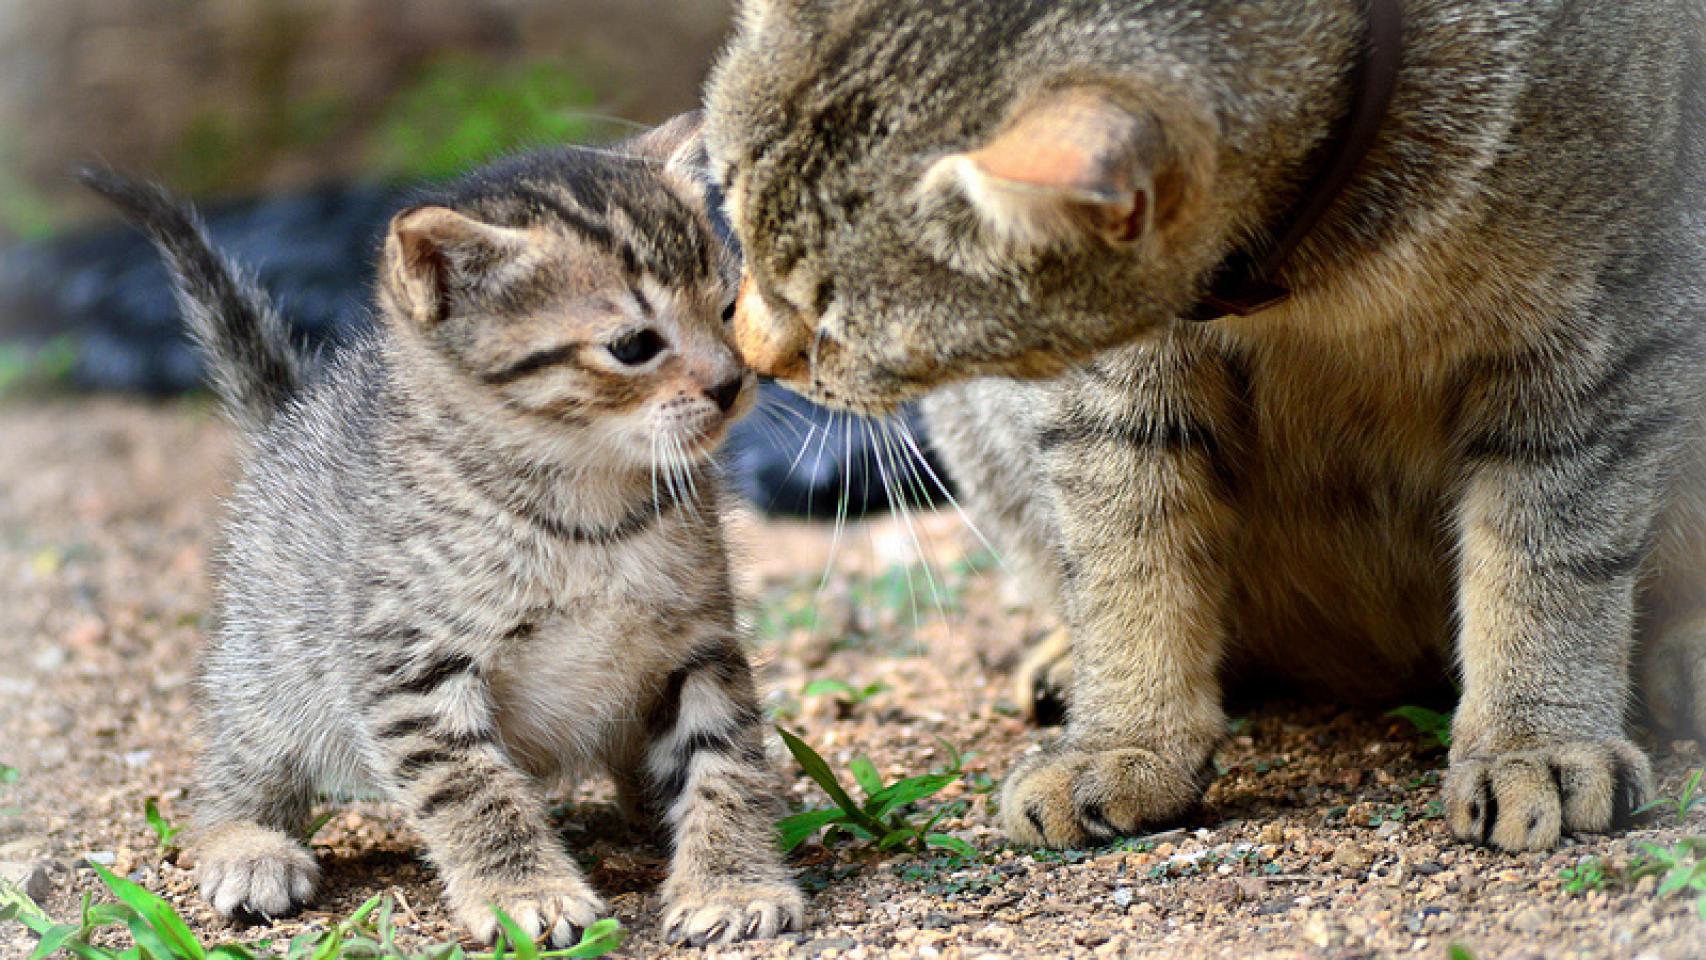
[1463, 439]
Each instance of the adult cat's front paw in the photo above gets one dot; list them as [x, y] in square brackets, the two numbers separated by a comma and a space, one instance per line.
[1066, 796]
[250, 871]
[724, 914]
[1527, 799]
[557, 907]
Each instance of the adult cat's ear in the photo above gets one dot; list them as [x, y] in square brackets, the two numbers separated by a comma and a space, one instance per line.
[678, 142]
[1070, 164]
[432, 251]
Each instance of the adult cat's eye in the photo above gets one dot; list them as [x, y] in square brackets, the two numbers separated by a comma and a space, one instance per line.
[637, 348]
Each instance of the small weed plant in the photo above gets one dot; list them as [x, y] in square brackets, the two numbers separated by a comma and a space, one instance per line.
[1431, 724]
[844, 691]
[165, 834]
[158, 933]
[883, 818]
[1680, 869]
[1687, 799]
[1589, 875]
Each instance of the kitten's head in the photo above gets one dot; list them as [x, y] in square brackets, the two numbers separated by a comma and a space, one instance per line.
[581, 292]
[929, 190]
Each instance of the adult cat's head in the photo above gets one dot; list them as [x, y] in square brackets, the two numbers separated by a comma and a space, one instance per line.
[930, 190]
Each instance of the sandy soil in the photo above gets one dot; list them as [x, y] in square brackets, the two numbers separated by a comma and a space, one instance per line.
[1320, 839]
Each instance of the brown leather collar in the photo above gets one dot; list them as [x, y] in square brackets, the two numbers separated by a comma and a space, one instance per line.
[1248, 282]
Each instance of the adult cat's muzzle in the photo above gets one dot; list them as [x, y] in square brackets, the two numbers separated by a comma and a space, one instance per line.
[773, 347]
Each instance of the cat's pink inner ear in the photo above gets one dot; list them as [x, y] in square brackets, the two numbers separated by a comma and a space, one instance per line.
[425, 245]
[1081, 150]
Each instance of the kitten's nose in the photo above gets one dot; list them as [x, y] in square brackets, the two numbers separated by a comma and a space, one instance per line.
[725, 394]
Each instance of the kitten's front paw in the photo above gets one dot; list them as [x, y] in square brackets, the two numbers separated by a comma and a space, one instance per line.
[1043, 683]
[1070, 797]
[751, 911]
[1527, 799]
[253, 872]
[558, 907]
[1673, 682]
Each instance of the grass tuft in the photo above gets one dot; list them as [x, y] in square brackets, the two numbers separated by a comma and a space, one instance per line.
[1431, 724]
[157, 932]
[882, 820]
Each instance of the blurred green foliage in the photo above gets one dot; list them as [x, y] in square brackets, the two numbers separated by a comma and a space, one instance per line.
[462, 111]
[25, 213]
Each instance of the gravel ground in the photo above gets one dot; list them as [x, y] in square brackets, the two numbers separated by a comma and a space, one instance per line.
[1320, 839]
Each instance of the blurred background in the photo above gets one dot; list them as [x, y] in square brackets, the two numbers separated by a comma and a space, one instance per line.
[296, 125]
[290, 121]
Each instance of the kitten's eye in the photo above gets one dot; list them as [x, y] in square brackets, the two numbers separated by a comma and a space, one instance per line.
[637, 348]
[729, 313]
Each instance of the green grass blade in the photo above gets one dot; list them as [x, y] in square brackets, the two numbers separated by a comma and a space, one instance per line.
[953, 844]
[865, 774]
[157, 914]
[519, 941]
[316, 825]
[819, 771]
[601, 938]
[818, 688]
[800, 827]
[907, 791]
[153, 944]
[55, 938]
[164, 833]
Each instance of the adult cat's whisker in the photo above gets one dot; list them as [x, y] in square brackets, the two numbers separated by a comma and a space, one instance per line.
[840, 507]
[926, 558]
[918, 457]
[900, 508]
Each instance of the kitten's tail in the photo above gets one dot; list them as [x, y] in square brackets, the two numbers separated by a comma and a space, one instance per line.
[251, 361]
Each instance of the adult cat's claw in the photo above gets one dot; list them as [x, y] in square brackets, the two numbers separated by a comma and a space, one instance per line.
[1527, 799]
[1067, 796]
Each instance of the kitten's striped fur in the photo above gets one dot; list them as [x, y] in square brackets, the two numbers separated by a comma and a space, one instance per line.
[1473, 436]
[454, 569]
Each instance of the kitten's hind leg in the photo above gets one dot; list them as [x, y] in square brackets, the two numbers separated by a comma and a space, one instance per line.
[711, 781]
[250, 807]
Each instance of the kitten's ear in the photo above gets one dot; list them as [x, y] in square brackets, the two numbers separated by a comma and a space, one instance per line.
[1068, 164]
[678, 142]
[431, 251]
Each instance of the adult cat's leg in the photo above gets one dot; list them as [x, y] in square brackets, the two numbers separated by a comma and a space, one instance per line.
[1564, 485]
[1673, 625]
[483, 818]
[710, 781]
[1139, 453]
[986, 431]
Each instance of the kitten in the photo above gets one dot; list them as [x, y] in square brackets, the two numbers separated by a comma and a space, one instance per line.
[479, 550]
[1471, 435]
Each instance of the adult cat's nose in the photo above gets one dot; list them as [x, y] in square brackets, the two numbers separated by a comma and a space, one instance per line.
[772, 346]
[725, 394]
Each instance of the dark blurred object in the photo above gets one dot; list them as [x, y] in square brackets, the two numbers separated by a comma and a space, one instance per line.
[108, 292]
[105, 292]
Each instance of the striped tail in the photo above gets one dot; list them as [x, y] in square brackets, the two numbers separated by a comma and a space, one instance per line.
[252, 363]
